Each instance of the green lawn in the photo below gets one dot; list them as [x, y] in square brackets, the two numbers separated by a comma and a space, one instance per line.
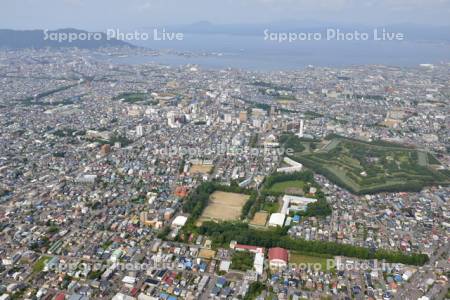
[135, 97]
[271, 207]
[40, 264]
[308, 261]
[281, 187]
[331, 145]
[423, 158]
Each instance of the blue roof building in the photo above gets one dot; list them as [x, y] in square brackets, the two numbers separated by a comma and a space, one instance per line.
[221, 282]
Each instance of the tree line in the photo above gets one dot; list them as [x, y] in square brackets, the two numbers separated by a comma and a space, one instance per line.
[222, 233]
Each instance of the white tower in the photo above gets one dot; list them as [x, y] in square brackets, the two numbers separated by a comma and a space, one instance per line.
[139, 131]
[302, 128]
[171, 119]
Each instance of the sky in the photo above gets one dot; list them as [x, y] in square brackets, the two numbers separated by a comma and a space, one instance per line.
[130, 14]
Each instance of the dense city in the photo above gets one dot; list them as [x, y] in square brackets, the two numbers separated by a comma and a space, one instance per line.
[117, 181]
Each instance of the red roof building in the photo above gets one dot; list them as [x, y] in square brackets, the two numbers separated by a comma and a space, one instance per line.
[253, 249]
[181, 191]
[278, 258]
[60, 296]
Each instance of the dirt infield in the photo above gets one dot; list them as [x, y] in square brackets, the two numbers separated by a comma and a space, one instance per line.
[207, 253]
[224, 206]
[200, 169]
[260, 219]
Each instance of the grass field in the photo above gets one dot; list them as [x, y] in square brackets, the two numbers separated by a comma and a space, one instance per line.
[285, 101]
[364, 167]
[223, 206]
[292, 187]
[331, 145]
[40, 264]
[200, 169]
[312, 262]
[423, 158]
[135, 97]
[271, 207]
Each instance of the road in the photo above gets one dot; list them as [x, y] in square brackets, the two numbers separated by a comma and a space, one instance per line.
[410, 290]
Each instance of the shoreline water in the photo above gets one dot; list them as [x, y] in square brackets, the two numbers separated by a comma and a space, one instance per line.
[253, 53]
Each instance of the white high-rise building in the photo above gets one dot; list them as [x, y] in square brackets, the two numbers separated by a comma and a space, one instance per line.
[171, 120]
[257, 123]
[228, 118]
[139, 131]
[302, 128]
[258, 263]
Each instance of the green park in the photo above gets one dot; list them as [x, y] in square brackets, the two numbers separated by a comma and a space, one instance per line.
[370, 167]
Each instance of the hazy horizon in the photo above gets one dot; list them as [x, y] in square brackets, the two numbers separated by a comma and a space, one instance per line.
[102, 14]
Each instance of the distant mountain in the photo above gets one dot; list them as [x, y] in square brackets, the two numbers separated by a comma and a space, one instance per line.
[17, 39]
[411, 31]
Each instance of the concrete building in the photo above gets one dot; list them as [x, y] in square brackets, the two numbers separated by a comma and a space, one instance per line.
[276, 219]
[295, 203]
[293, 166]
[228, 118]
[179, 221]
[258, 263]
